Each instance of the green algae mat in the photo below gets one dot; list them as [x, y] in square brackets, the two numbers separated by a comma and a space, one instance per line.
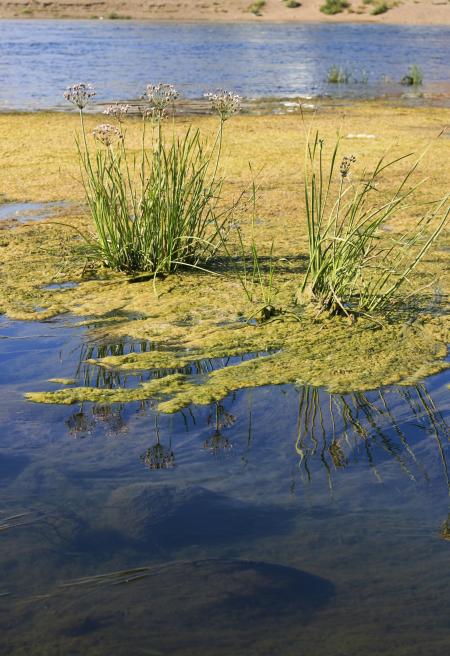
[194, 316]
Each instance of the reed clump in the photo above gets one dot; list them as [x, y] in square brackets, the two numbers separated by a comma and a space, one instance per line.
[344, 75]
[161, 208]
[355, 267]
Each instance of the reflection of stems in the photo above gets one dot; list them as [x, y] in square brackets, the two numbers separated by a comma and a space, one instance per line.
[369, 410]
[402, 436]
[355, 418]
[431, 411]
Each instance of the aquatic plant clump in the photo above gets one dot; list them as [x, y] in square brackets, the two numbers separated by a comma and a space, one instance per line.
[354, 267]
[414, 76]
[159, 209]
[339, 75]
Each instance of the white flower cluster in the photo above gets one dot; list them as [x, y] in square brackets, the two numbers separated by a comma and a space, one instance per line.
[160, 96]
[117, 111]
[107, 134]
[79, 94]
[224, 103]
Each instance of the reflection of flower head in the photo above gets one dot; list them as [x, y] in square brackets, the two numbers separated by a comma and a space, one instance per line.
[107, 134]
[445, 530]
[79, 423]
[224, 103]
[217, 443]
[111, 417]
[79, 94]
[157, 457]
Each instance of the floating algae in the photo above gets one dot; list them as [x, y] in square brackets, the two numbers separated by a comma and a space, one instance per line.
[342, 359]
[168, 385]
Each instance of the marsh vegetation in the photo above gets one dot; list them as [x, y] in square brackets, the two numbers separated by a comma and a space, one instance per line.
[282, 277]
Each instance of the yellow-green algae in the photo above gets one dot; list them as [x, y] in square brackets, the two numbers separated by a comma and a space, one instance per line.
[196, 315]
[170, 384]
[340, 357]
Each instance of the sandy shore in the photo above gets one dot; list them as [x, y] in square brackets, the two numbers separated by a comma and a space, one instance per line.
[421, 12]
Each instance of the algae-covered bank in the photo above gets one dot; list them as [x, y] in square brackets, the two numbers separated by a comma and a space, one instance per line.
[196, 315]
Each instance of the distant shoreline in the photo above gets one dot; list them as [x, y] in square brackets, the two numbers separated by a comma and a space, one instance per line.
[406, 12]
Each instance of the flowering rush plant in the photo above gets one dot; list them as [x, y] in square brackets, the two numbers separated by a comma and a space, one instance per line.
[161, 208]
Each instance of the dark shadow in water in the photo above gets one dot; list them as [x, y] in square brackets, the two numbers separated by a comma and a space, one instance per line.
[164, 518]
[192, 606]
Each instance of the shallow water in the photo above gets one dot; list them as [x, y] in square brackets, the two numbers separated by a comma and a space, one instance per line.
[39, 58]
[281, 520]
[23, 212]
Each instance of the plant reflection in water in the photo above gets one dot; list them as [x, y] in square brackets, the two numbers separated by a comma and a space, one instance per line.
[219, 418]
[335, 431]
[158, 456]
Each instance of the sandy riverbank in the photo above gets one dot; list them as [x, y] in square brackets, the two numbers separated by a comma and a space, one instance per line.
[410, 12]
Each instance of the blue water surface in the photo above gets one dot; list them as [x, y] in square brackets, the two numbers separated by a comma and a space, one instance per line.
[38, 59]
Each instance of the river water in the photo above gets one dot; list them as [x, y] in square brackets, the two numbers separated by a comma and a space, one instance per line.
[282, 520]
[39, 58]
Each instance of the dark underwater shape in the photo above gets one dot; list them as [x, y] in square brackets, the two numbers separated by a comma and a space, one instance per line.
[199, 603]
[176, 515]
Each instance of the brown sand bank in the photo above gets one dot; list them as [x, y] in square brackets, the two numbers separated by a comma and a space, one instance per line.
[433, 12]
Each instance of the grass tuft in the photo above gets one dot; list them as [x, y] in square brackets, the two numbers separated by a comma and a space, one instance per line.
[256, 7]
[380, 8]
[156, 210]
[354, 268]
[332, 7]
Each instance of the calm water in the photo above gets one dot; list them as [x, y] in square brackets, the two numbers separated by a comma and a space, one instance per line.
[284, 520]
[280, 521]
[38, 59]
